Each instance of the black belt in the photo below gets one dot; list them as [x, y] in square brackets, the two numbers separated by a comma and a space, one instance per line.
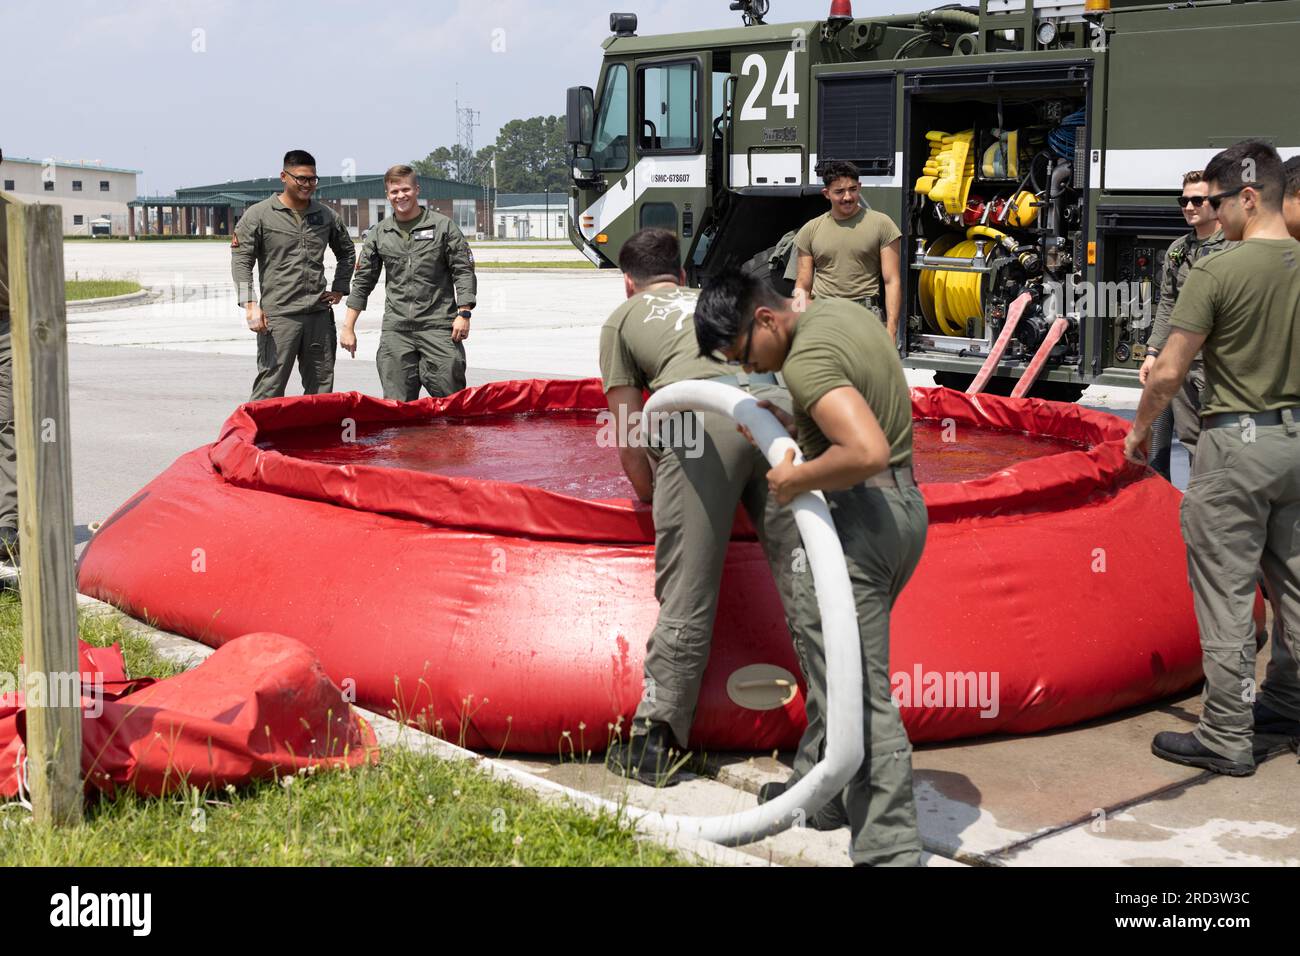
[892, 478]
[1237, 419]
[758, 378]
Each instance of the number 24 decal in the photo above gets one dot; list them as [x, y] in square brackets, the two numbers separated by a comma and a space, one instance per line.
[783, 94]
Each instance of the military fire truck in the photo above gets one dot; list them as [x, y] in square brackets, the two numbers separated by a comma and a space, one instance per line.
[1029, 150]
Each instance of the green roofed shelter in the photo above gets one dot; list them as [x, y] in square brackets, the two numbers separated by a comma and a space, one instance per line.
[358, 200]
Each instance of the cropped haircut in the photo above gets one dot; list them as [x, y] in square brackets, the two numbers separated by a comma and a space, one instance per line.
[400, 171]
[650, 253]
[1250, 163]
[1195, 176]
[726, 308]
[299, 157]
[834, 169]
[1292, 170]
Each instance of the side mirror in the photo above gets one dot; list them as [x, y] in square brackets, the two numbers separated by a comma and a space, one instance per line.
[580, 116]
[583, 169]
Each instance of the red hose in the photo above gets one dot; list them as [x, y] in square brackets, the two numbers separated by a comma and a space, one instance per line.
[1009, 329]
[1040, 358]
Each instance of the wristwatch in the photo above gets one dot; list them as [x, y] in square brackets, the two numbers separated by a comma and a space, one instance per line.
[1152, 352]
[464, 313]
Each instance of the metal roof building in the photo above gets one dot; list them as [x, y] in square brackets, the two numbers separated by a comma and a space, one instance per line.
[359, 200]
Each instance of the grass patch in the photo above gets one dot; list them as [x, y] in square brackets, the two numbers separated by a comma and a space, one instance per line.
[75, 289]
[411, 810]
[480, 265]
[100, 630]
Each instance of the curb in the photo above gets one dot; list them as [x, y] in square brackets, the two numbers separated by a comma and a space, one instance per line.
[487, 267]
[187, 653]
[78, 304]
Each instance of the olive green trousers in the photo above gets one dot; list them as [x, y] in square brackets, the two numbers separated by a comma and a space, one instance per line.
[428, 357]
[882, 531]
[1241, 515]
[309, 339]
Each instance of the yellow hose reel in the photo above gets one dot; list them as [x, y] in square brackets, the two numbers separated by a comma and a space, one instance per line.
[950, 299]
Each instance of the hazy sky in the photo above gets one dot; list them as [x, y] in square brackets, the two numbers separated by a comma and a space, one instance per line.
[202, 91]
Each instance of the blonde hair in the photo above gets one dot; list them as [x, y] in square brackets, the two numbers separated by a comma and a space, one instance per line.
[1195, 176]
[400, 171]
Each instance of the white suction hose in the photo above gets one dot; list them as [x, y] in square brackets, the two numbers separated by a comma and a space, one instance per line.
[844, 748]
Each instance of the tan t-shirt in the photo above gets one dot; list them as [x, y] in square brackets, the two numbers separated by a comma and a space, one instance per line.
[1246, 301]
[846, 255]
[649, 342]
[833, 346]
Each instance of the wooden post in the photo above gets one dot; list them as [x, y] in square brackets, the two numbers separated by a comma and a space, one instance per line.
[49, 594]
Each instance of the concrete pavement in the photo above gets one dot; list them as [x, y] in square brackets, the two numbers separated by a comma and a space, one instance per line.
[151, 382]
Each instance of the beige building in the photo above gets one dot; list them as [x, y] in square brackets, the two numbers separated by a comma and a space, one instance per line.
[93, 196]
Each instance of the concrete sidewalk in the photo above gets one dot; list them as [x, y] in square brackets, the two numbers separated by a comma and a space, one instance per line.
[1091, 795]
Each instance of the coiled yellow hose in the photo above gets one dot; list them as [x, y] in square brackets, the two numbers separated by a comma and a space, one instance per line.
[950, 299]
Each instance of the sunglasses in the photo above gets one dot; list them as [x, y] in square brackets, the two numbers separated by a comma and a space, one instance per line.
[1196, 201]
[744, 355]
[1218, 198]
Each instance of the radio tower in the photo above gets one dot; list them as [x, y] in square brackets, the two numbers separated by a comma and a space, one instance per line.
[466, 120]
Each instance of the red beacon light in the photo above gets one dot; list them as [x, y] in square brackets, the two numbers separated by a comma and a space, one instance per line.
[841, 10]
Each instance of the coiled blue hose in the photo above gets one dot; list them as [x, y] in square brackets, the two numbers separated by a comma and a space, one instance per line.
[1061, 139]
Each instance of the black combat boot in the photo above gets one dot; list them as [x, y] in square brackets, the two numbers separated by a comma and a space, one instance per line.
[652, 757]
[1269, 721]
[1190, 752]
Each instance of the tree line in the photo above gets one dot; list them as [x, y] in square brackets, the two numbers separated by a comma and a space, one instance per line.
[531, 157]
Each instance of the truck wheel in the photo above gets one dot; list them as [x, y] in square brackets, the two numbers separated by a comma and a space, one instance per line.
[1067, 392]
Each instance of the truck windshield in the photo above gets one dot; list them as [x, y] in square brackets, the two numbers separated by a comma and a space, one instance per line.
[609, 147]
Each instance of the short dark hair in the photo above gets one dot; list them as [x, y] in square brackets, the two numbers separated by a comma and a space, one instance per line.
[1250, 163]
[726, 308]
[1292, 169]
[299, 157]
[833, 169]
[650, 253]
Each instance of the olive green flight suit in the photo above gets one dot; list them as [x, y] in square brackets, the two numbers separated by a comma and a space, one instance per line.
[428, 274]
[1185, 409]
[288, 247]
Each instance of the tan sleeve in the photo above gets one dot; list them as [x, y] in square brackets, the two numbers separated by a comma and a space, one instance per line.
[804, 237]
[617, 364]
[886, 228]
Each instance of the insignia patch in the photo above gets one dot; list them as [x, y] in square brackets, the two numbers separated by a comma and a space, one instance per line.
[234, 240]
[425, 233]
[675, 308]
[316, 219]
